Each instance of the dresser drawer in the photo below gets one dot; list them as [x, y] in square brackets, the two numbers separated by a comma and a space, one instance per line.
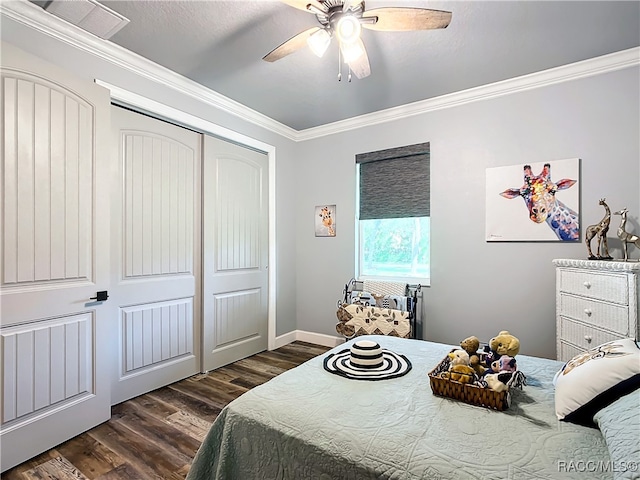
[612, 287]
[609, 316]
[584, 336]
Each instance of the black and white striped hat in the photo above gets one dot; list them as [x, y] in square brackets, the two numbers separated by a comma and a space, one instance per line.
[366, 360]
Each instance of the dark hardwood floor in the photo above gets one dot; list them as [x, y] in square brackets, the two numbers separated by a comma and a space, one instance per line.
[156, 435]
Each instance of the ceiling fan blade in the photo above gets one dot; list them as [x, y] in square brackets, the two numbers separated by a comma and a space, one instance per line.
[360, 66]
[397, 19]
[302, 4]
[294, 44]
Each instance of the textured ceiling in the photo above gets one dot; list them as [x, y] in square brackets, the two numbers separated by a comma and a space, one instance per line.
[220, 44]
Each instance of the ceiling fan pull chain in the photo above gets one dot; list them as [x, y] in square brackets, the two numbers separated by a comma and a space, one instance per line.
[349, 74]
[339, 66]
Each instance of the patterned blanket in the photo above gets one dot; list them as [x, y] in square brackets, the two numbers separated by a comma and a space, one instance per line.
[356, 320]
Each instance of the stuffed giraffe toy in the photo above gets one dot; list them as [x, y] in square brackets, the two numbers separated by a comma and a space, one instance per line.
[600, 231]
[625, 237]
[539, 194]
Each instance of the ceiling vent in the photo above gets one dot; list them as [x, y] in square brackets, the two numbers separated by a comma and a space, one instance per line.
[89, 15]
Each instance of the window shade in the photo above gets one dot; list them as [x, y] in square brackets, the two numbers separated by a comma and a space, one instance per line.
[395, 183]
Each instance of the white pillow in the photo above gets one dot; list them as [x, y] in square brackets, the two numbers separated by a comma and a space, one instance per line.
[596, 378]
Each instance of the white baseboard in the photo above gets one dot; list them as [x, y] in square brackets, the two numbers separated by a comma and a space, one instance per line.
[285, 339]
[309, 337]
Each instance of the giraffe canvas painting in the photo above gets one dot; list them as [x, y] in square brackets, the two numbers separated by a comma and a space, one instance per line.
[549, 205]
[325, 224]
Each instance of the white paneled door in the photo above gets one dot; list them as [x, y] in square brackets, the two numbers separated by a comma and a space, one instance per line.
[156, 253]
[54, 252]
[235, 249]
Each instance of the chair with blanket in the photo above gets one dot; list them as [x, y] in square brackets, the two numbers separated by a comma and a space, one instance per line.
[377, 308]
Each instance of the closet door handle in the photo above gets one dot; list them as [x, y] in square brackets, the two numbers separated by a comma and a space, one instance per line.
[101, 296]
[587, 284]
[587, 338]
[588, 312]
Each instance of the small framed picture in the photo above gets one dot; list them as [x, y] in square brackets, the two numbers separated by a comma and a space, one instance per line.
[325, 221]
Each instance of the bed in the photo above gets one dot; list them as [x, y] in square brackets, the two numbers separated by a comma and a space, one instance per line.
[310, 424]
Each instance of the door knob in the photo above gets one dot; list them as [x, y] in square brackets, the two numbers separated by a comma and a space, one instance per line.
[100, 296]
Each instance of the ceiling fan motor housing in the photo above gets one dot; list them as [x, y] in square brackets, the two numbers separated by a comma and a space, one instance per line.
[334, 12]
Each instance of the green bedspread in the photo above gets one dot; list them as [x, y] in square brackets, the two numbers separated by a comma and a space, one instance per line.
[309, 424]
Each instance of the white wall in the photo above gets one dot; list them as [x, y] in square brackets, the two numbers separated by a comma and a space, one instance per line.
[479, 288]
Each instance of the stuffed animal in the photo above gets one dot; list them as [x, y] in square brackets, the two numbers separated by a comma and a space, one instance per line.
[471, 346]
[494, 383]
[505, 344]
[460, 373]
[502, 344]
[504, 364]
[458, 357]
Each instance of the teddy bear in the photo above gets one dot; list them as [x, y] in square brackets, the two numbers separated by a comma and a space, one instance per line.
[458, 357]
[460, 373]
[459, 369]
[502, 344]
[471, 346]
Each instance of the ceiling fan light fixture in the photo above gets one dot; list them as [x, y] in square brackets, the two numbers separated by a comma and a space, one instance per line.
[319, 42]
[348, 29]
[351, 51]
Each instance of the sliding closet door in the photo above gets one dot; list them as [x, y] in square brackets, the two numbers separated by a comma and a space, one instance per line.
[156, 266]
[54, 253]
[235, 249]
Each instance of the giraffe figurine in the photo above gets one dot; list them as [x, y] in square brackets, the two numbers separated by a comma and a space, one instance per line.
[625, 237]
[600, 231]
[539, 195]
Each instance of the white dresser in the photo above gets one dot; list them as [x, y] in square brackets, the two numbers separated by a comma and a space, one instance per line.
[596, 301]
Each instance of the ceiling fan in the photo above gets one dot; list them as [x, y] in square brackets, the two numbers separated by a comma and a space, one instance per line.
[344, 19]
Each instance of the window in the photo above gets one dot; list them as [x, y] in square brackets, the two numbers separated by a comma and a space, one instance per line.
[393, 214]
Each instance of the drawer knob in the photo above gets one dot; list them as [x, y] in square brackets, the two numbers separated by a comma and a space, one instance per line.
[588, 312]
[587, 284]
[587, 338]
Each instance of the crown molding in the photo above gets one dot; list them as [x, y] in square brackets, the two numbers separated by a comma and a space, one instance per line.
[573, 71]
[36, 18]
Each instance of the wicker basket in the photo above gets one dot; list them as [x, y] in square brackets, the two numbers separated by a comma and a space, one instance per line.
[470, 393]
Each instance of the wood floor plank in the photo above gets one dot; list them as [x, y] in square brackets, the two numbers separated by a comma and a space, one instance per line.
[203, 391]
[186, 403]
[156, 435]
[224, 390]
[153, 405]
[263, 364]
[58, 468]
[90, 457]
[17, 473]
[223, 375]
[194, 426]
[136, 450]
[157, 432]
[122, 472]
[247, 376]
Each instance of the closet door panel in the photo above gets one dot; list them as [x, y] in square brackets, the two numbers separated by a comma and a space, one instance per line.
[156, 254]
